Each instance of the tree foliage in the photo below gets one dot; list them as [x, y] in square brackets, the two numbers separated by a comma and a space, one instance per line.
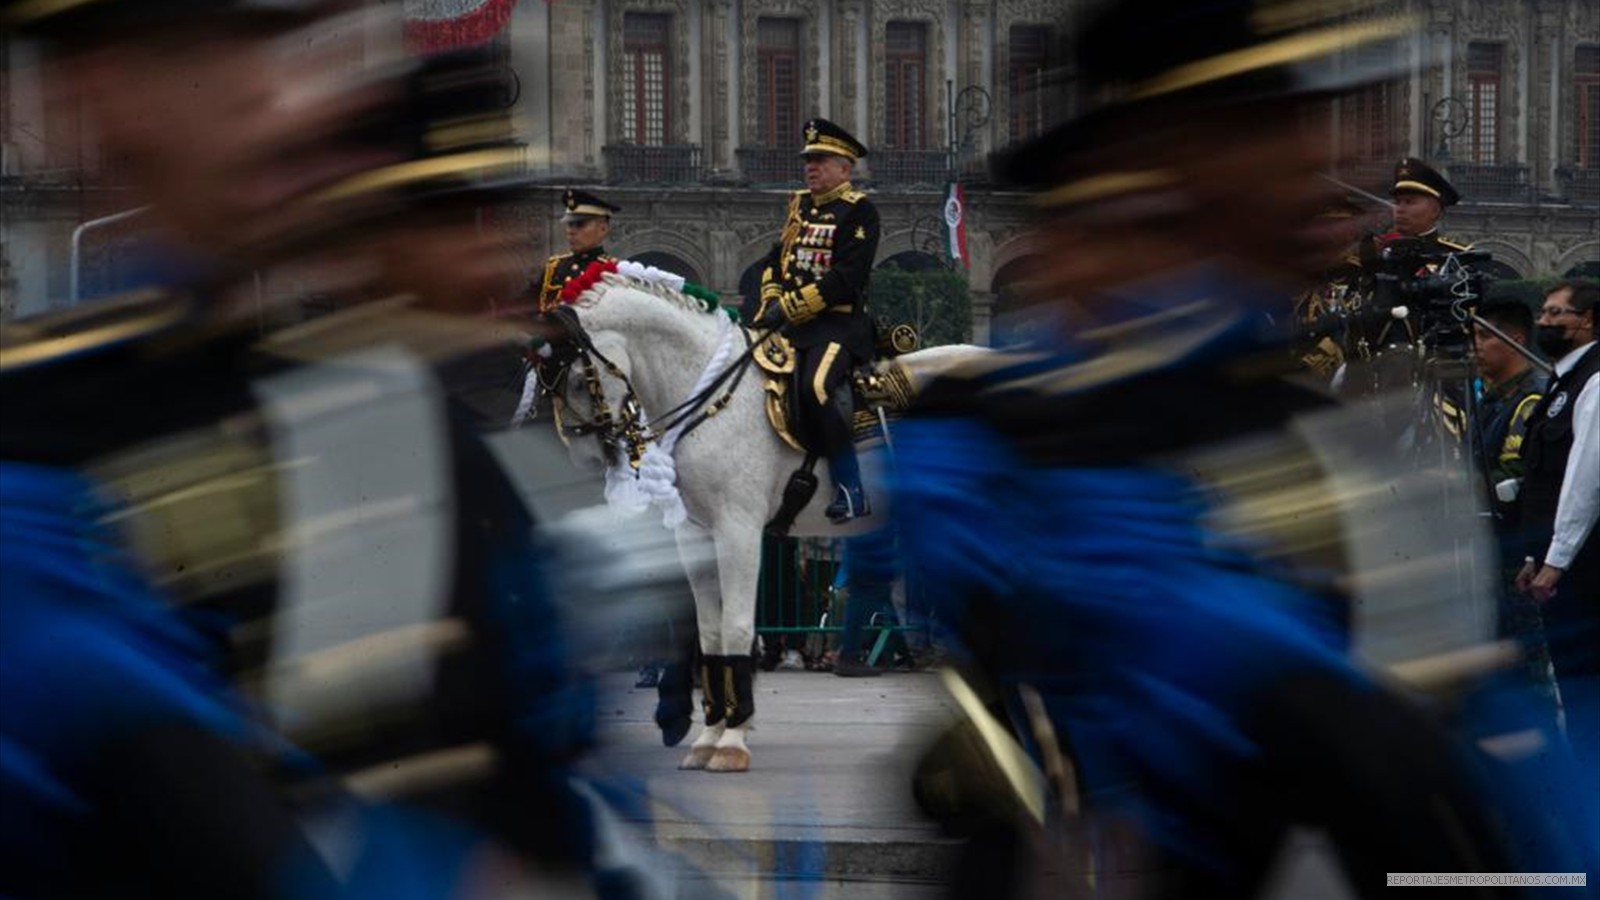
[938, 303]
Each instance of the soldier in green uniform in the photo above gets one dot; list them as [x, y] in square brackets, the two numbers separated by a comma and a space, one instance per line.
[814, 285]
[588, 221]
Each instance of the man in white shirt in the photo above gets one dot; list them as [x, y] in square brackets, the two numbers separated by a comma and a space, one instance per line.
[1559, 503]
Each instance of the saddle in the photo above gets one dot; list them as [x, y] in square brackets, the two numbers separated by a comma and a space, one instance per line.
[882, 384]
[880, 389]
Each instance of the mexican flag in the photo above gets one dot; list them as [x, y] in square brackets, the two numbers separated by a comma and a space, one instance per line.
[436, 26]
[955, 225]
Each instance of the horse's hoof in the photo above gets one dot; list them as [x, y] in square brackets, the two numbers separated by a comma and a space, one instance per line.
[729, 759]
[698, 758]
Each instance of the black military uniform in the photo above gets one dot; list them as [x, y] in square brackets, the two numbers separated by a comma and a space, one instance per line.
[1374, 254]
[814, 284]
[1413, 176]
[560, 269]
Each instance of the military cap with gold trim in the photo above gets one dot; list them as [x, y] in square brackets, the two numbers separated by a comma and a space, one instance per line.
[825, 138]
[1177, 57]
[584, 205]
[69, 21]
[1413, 176]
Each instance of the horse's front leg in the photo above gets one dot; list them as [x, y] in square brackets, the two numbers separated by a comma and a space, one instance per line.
[698, 553]
[738, 569]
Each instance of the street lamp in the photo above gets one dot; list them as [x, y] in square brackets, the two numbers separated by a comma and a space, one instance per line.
[1453, 116]
[969, 111]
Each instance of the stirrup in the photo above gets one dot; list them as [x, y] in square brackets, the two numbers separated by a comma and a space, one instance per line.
[848, 503]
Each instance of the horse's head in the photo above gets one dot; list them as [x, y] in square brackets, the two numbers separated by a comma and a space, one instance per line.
[589, 365]
[586, 376]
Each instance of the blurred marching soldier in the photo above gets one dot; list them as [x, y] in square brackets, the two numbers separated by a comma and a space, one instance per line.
[132, 767]
[588, 223]
[814, 286]
[1072, 502]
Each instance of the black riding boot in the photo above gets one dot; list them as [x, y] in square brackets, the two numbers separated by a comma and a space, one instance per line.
[849, 498]
[739, 674]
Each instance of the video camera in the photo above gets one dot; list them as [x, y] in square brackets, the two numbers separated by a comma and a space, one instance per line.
[1436, 286]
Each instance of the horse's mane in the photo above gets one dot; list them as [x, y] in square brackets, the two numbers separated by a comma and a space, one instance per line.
[601, 278]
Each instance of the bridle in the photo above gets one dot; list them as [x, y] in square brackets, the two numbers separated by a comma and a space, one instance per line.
[625, 429]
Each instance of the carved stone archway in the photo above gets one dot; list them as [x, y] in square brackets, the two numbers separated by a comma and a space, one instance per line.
[633, 243]
[1577, 256]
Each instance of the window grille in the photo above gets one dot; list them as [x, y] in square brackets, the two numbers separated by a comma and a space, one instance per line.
[906, 95]
[646, 79]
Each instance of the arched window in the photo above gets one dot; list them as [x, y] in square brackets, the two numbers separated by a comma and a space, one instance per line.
[1013, 321]
[1589, 270]
[912, 261]
[1498, 270]
[668, 263]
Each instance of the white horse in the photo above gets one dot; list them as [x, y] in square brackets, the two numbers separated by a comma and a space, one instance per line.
[644, 339]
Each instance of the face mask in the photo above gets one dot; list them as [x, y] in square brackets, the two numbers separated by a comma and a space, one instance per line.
[1553, 342]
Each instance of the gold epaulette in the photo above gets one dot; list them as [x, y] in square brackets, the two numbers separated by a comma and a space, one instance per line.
[58, 335]
[853, 196]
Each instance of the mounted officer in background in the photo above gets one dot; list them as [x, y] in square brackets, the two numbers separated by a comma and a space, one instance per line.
[588, 224]
[814, 286]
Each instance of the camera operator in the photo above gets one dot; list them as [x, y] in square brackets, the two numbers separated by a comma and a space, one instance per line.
[1558, 506]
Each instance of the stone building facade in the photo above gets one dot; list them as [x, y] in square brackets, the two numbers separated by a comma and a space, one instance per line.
[686, 113]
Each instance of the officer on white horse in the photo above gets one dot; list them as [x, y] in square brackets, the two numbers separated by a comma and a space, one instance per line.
[814, 285]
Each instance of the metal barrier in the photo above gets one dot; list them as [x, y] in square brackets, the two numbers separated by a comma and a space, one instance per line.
[794, 593]
[796, 596]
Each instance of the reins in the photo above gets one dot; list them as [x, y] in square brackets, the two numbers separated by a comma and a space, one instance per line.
[628, 426]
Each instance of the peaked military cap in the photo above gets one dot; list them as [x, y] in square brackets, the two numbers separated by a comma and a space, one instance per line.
[584, 205]
[1195, 54]
[824, 137]
[74, 20]
[1413, 176]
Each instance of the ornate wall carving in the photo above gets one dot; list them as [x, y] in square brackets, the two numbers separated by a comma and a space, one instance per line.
[718, 136]
[1502, 22]
[1579, 253]
[847, 21]
[681, 99]
[691, 244]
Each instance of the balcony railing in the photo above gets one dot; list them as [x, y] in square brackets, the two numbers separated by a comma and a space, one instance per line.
[668, 164]
[769, 165]
[1580, 185]
[1492, 184]
[910, 167]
